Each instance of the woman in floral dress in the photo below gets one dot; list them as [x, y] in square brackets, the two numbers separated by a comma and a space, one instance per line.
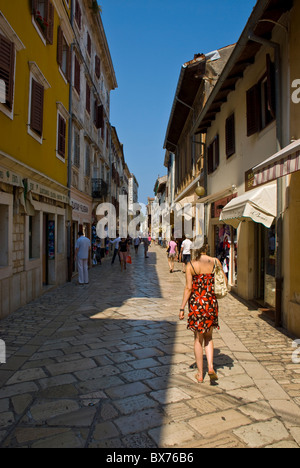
[203, 309]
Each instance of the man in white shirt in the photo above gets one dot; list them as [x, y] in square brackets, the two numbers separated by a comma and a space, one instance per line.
[82, 254]
[186, 253]
[116, 242]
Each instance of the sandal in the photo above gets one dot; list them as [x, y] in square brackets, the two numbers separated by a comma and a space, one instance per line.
[198, 378]
[213, 376]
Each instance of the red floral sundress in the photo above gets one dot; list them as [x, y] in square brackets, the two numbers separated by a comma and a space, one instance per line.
[203, 304]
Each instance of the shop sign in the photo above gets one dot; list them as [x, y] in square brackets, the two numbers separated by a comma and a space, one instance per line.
[249, 180]
[218, 206]
[11, 178]
[79, 207]
[44, 191]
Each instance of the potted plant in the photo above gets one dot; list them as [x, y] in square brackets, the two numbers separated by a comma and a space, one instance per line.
[41, 21]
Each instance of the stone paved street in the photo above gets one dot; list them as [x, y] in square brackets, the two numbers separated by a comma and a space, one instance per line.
[108, 365]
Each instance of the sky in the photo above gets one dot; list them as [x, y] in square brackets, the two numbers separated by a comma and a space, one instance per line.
[149, 41]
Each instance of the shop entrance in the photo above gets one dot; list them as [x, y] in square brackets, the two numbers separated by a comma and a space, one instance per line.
[48, 249]
[226, 250]
[45, 250]
[265, 254]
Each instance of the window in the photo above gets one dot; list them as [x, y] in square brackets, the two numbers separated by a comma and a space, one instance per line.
[261, 101]
[213, 155]
[98, 115]
[97, 66]
[76, 159]
[7, 70]
[43, 14]
[78, 14]
[87, 161]
[77, 75]
[37, 107]
[89, 45]
[230, 136]
[63, 54]
[88, 98]
[61, 136]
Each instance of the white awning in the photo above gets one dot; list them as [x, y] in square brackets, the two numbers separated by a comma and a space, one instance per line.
[259, 205]
[279, 165]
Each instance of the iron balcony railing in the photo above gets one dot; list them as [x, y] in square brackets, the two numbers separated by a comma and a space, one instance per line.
[99, 188]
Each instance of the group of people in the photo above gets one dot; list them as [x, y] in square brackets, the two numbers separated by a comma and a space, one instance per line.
[121, 249]
[182, 253]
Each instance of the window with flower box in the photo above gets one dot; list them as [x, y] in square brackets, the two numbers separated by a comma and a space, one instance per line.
[43, 14]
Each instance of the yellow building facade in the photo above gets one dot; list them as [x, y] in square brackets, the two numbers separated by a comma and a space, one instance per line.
[35, 63]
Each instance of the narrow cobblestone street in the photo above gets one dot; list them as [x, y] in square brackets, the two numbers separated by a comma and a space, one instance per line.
[108, 365]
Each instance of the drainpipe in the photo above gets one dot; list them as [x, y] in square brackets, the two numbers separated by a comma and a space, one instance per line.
[69, 230]
[279, 231]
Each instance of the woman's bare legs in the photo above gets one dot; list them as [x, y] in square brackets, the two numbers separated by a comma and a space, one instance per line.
[171, 263]
[209, 350]
[207, 339]
[199, 355]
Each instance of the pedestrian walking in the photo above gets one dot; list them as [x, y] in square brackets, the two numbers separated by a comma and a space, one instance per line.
[136, 243]
[203, 309]
[172, 254]
[116, 243]
[146, 246]
[123, 252]
[82, 254]
[185, 252]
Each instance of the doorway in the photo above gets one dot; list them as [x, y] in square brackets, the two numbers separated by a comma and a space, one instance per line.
[45, 250]
[265, 254]
[49, 249]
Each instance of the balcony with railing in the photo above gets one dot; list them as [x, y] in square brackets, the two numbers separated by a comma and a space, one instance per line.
[99, 188]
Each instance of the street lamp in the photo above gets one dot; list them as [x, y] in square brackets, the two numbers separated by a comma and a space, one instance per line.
[200, 191]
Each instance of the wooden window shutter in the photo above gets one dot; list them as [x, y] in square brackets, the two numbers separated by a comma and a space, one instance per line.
[61, 136]
[77, 75]
[210, 159]
[253, 110]
[69, 64]
[107, 136]
[230, 136]
[7, 66]
[88, 98]
[216, 152]
[97, 66]
[50, 20]
[95, 113]
[59, 46]
[34, 6]
[37, 107]
[89, 44]
[78, 14]
[271, 86]
[100, 117]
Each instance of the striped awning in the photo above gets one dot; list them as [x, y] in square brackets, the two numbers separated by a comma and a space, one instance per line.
[283, 163]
